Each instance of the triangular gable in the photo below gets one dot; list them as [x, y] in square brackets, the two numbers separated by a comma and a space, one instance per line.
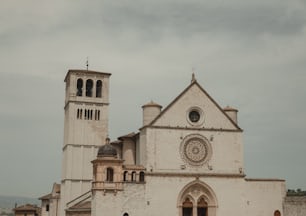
[210, 107]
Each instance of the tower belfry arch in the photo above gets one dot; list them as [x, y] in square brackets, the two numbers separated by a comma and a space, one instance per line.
[197, 199]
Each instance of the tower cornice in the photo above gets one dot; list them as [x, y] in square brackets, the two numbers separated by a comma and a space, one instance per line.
[85, 72]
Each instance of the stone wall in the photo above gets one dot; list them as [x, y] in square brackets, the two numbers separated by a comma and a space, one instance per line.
[295, 206]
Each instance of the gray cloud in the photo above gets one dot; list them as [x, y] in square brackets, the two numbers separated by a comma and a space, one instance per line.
[248, 55]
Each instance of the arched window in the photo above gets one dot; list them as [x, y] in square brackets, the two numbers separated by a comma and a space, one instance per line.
[79, 87]
[187, 207]
[109, 174]
[277, 213]
[141, 177]
[202, 207]
[125, 214]
[125, 176]
[99, 89]
[133, 176]
[89, 86]
[202, 203]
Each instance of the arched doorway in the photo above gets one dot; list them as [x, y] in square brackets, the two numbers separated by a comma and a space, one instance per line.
[277, 213]
[197, 199]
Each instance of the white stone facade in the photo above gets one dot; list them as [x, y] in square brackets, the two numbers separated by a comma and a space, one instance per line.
[186, 160]
[192, 152]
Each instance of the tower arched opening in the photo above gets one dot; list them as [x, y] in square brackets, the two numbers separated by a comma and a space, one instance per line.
[99, 88]
[79, 87]
[89, 87]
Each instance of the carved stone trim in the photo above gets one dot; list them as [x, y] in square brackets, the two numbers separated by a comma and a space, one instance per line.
[80, 145]
[192, 128]
[176, 174]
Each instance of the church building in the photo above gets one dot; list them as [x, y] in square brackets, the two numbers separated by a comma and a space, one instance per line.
[187, 159]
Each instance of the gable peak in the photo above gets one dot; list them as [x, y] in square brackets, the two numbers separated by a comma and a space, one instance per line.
[193, 79]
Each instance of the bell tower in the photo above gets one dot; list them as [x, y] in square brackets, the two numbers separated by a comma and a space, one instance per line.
[85, 129]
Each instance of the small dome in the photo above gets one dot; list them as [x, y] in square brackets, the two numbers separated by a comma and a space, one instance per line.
[228, 108]
[152, 104]
[107, 150]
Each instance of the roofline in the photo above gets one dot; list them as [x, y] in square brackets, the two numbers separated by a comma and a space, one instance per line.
[132, 135]
[192, 128]
[45, 197]
[264, 179]
[85, 71]
[230, 109]
[182, 93]
[152, 105]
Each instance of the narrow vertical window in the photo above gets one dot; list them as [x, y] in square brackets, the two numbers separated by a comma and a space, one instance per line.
[99, 89]
[202, 207]
[81, 113]
[86, 115]
[78, 113]
[125, 176]
[98, 114]
[133, 176]
[90, 114]
[141, 177]
[187, 207]
[109, 174]
[89, 86]
[79, 87]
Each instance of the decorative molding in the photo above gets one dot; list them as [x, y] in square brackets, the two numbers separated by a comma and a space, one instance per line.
[86, 72]
[86, 103]
[192, 128]
[80, 145]
[76, 180]
[197, 175]
[264, 179]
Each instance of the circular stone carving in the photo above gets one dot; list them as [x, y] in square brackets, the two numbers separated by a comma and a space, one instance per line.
[195, 150]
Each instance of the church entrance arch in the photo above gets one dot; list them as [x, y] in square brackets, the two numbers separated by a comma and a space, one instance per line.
[197, 199]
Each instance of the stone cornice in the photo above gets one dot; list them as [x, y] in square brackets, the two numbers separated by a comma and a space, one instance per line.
[86, 103]
[86, 72]
[103, 160]
[192, 128]
[80, 145]
[76, 180]
[264, 180]
[177, 174]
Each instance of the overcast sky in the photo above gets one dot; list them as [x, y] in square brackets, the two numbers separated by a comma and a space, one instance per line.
[247, 54]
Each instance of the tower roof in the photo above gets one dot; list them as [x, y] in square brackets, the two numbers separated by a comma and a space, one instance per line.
[151, 104]
[85, 72]
[107, 150]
